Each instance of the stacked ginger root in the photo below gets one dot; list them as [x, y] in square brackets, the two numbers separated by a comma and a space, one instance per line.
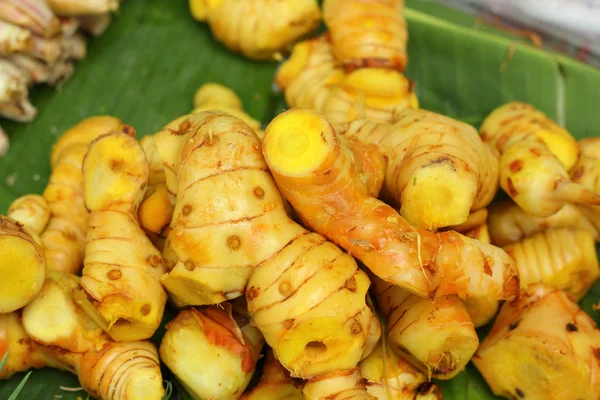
[39, 42]
[388, 202]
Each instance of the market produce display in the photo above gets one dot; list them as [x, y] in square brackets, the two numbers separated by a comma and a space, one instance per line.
[349, 248]
[40, 41]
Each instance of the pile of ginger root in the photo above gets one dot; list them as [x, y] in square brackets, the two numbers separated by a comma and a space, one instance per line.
[348, 250]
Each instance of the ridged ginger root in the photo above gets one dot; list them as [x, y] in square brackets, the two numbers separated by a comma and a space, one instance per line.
[309, 75]
[451, 337]
[535, 157]
[64, 238]
[317, 173]
[120, 286]
[229, 352]
[508, 223]
[258, 28]
[587, 173]
[375, 94]
[230, 234]
[106, 369]
[32, 212]
[275, 383]
[561, 258]
[213, 96]
[439, 170]
[22, 266]
[542, 346]
[390, 377]
[367, 33]
[337, 385]
[23, 353]
[481, 309]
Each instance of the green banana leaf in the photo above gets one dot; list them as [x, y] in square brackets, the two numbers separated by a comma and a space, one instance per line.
[146, 67]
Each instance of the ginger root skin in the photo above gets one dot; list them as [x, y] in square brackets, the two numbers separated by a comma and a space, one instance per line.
[317, 173]
[63, 239]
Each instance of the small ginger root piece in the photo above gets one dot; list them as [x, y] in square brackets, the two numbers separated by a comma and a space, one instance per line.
[259, 29]
[212, 96]
[309, 75]
[439, 170]
[367, 33]
[34, 15]
[390, 377]
[481, 309]
[587, 173]
[337, 385]
[32, 212]
[120, 286]
[561, 258]
[535, 155]
[22, 266]
[14, 39]
[23, 353]
[106, 369]
[275, 383]
[374, 94]
[542, 346]
[305, 295]
[73, 8]
[444, 321]
[229, 352]
[509, 223]
[64, 238]
[317, 173]
[474, 225]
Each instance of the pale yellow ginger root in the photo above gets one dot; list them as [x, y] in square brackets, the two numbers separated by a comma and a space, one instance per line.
[106, 369]
[484, 308]
[587, 173]
[367, 33]
[259, 29]
[213, 96]
[305, 295]
[229, 352]
[535, 157]
[561, 258]
[439, 170]
[14, 39]
[34, 15]
[156, 169]
[120, 286]
[374, 333]
[337, 385]
[451, 337]
[375, 94]
[22, 266]
[390, 377]
[275, 383]
[317, 173]
[24, 354]
[309, 75]
[542, 346]
[64, 238]
[73, 8]
[509, 223]
[32, 212]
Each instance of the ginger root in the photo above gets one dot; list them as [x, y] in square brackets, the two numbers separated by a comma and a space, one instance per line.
[32, 212]
[229, 352]
[367, 33]
[106, 369]
[258, 29]
[317, 173]
[275, 383]
[337, 385]
[64, 238]
[22, 266]
[120, 286]
[535, 155]
[561, 258]
[542, 346]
